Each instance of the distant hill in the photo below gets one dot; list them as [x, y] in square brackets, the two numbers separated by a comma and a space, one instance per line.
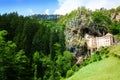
[45, 16]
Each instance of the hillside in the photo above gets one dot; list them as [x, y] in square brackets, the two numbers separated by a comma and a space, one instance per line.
[106, 69]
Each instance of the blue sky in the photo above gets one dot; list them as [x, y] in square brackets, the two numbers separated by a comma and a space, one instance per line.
[29, 7]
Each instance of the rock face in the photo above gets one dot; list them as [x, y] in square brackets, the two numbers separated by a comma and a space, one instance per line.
[115, 16]
[93, 24]
[75, 31]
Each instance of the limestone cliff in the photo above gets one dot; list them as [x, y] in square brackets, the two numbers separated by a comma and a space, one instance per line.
[76, 29]
[115, 16]
[84, 21]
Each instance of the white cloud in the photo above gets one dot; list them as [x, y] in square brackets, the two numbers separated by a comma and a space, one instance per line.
[30, 11]
[97, 4]
[67, 6]
[47, 11]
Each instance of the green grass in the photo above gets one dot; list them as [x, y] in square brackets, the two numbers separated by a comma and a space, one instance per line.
[115, 49]
[107, 69]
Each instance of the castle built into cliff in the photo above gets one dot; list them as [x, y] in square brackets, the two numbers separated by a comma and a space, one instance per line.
[94, 43]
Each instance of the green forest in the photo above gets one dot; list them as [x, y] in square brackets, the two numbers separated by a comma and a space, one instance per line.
[35, 49]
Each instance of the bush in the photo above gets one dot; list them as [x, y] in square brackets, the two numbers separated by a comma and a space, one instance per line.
[95, 57]
[69, 73]
[84, 63]
[104, 52]
[75, 68]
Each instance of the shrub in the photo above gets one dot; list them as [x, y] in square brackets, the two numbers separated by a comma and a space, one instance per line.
[104, 52]
[95, 57]
[75, 68]
[69, 73]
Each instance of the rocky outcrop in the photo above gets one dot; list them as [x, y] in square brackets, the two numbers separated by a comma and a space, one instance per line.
[84, 22]
[115, 16]
[75, 31]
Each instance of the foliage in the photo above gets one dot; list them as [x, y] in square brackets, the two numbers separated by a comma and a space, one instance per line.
[97, 56]
[115, 50]
[115, 28]
[22, 66]
[101, 20]
[75, 68]
[12, 62]
[69, 73]
[36, 50]
[7, 51]
[118, 9]
[105, 69]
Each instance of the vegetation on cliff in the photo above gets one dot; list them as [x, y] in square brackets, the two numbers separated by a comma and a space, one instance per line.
[95, 23]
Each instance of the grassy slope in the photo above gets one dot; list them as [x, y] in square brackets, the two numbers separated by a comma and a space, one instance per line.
[106, 69]
[115, 49]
